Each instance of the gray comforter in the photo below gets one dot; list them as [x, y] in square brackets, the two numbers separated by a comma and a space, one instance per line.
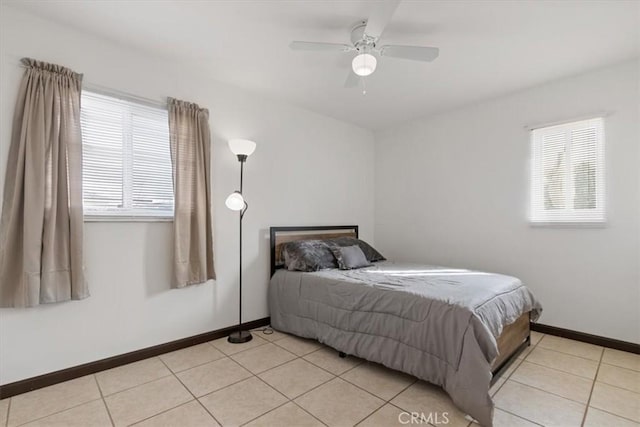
[436, 323]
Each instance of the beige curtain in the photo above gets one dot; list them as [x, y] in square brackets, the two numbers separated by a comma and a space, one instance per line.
[190, 155]
[42, 224]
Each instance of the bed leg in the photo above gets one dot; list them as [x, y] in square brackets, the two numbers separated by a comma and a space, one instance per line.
[342, 354]
[529, 340]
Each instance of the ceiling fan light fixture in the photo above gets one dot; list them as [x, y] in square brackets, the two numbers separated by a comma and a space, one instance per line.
[364, 64]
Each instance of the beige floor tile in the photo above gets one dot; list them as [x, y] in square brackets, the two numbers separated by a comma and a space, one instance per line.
[388, 416]
[299, 346]
[213, 376]
[598, 418]
[228, 348]
[496, 386]
[619, 377]
[92, 414]
[428, 399]
[538, 406]
[191, 356]
[134, 374]
[616, 400]
[286, 415]
[524, 353]
[575, 348]
[261, 358]
[379, 380]
[242, 402]
[4, 410]
[190, 414]
[564, 362]
[535, 337]
[622, 359]
[557, 382]
[295, 378]
[338, 403]
[270, 334]
[505, 419]
[146, 400]
[328, 359]
[49, 400]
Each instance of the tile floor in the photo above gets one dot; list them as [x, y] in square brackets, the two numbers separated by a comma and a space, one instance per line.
[281, 380]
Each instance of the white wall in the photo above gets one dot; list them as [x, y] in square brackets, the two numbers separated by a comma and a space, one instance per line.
[463, 177]
[307, 170]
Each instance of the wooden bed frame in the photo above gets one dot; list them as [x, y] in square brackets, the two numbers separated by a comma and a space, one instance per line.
[514, 338]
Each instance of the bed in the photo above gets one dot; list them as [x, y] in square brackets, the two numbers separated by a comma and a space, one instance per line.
[451, 327]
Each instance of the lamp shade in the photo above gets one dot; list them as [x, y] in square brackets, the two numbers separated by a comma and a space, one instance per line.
[235, 201]
[364, 64]
[242, 147]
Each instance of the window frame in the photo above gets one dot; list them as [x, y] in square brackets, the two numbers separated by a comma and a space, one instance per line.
[128, 213]
[569, 217]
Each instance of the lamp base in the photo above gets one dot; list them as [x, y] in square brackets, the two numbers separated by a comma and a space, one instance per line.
[239, 337]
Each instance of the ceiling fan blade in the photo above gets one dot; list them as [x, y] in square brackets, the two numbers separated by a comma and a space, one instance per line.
[415, 53]
[380, 17]
[352, 80]
[319, 46]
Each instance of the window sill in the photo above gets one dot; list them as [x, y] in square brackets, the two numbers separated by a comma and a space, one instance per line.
[113, 218]
[552, 224]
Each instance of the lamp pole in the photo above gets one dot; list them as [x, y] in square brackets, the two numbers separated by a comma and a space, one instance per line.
[240, 254]
[240, 336]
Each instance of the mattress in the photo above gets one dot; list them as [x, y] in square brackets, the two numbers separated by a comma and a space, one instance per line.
[439, 324]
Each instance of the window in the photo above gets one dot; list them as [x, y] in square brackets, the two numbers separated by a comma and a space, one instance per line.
[567, 180]
[127, 168]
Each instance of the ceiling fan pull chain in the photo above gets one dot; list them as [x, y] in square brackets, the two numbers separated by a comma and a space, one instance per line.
[364, 86]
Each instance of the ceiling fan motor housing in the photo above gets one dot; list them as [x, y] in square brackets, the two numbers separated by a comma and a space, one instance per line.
[362, 42]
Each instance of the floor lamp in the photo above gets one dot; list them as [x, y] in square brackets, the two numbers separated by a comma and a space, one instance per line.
[236, 202]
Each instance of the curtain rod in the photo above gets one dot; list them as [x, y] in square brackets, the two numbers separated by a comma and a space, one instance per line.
[103, 90]
[93, 87]
[573, 119]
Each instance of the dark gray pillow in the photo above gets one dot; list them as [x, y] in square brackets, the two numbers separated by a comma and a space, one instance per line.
[350, 257]
[369, 252]
[308, 255]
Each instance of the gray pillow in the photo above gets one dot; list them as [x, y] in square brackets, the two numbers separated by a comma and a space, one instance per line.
[350, 257]
[369, 252]
[308, 255]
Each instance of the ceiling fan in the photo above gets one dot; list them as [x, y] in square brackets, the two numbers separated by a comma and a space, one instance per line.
[364, 38]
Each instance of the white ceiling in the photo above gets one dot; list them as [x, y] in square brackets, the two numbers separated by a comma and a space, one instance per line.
[487, 48]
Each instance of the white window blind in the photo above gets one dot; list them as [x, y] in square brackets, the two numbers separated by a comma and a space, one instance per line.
[567, 173]
[127, 168]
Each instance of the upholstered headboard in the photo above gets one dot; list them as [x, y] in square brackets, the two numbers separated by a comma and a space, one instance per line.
[282, 235]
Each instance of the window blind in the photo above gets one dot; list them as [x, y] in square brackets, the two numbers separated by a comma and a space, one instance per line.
[127, 168]
[567, 173]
